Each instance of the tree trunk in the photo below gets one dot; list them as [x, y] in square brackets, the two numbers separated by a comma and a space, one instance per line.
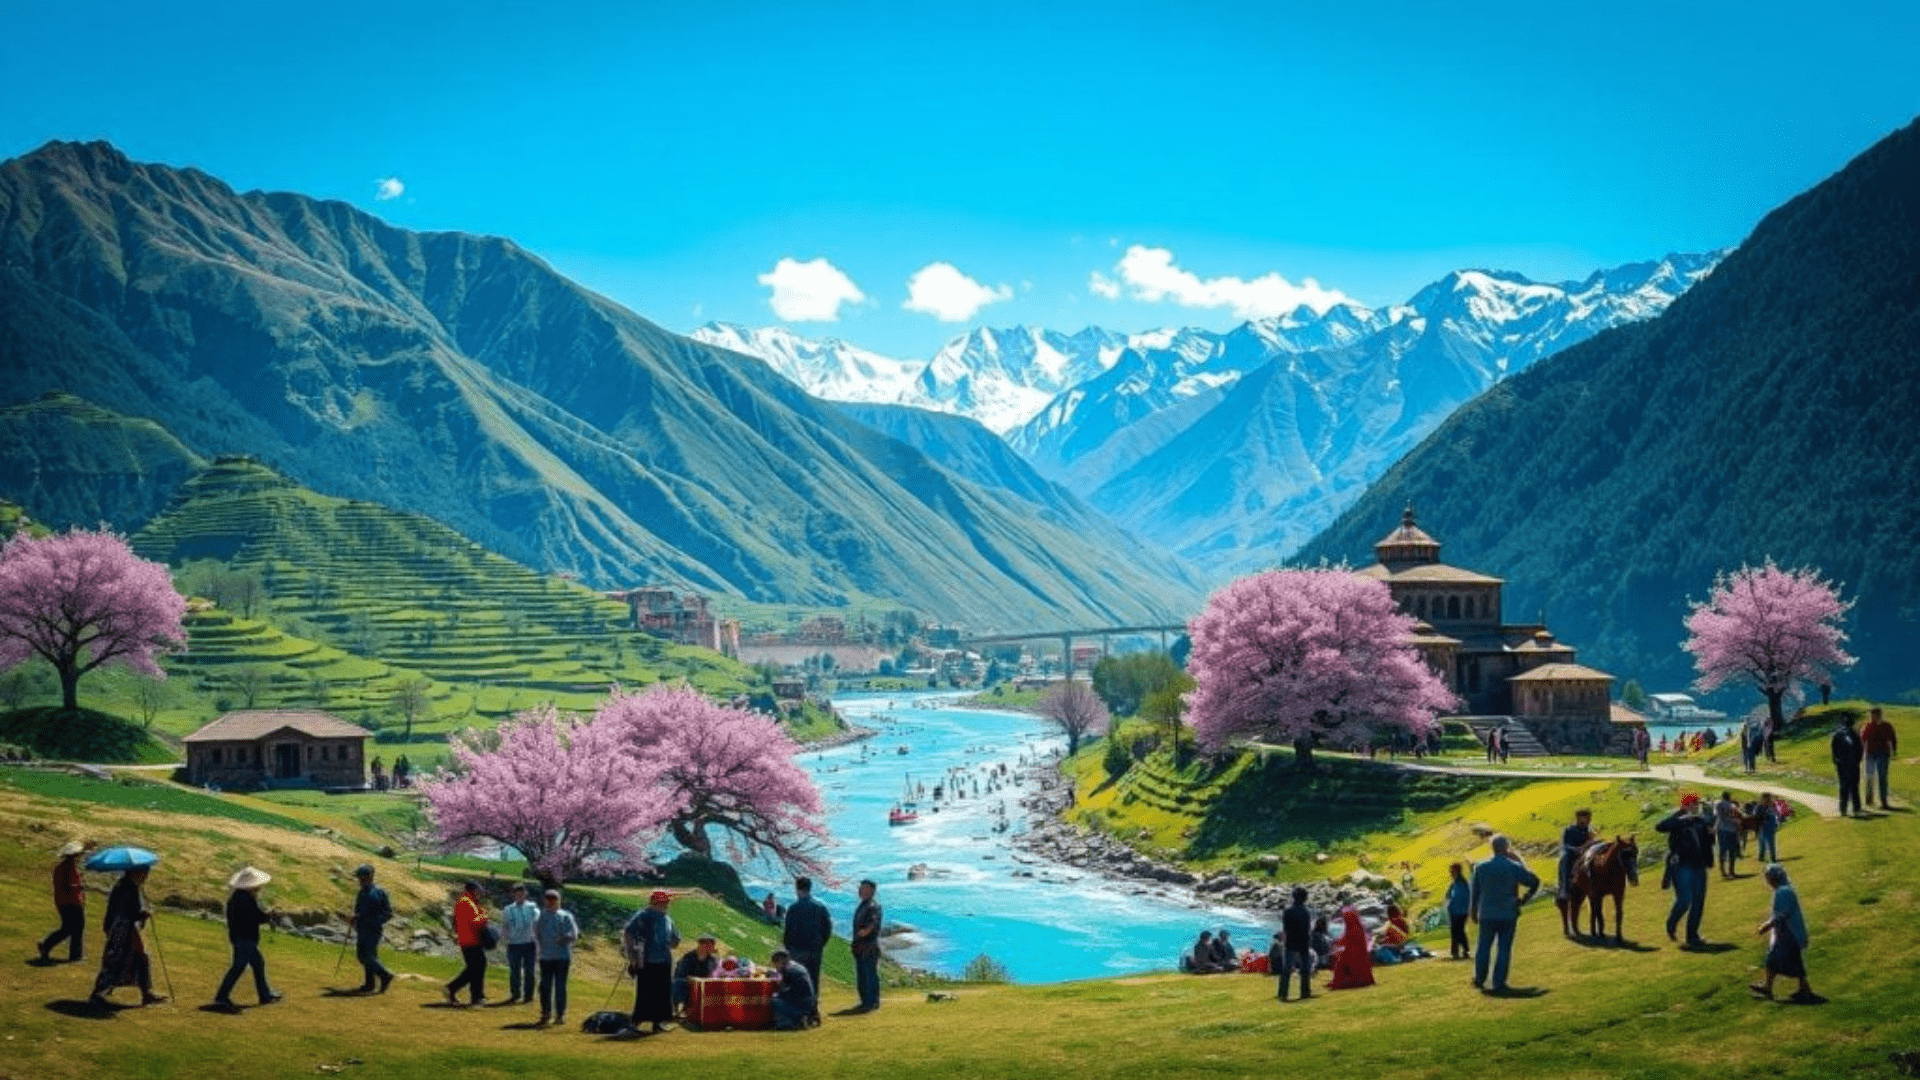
[692, 835]
[1303, 752]
[69, 687]
[1773, 709]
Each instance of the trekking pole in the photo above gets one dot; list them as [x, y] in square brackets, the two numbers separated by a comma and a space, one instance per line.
[153, 921]
[342, 955]
[616, 986]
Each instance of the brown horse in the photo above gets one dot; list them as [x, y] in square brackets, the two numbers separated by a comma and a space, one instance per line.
[1597, 875]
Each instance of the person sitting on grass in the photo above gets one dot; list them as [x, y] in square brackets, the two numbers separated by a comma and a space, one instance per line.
[1788, 928]
[793, 1000]
[1353, 968]
[1201, 961]
[698, 963]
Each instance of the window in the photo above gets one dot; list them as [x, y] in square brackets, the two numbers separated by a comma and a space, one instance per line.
[213, 755]
[1453, 607]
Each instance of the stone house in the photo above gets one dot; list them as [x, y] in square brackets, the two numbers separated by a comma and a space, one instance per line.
[268, 747]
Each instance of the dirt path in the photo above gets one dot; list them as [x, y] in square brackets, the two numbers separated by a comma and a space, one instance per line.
[1824, 805]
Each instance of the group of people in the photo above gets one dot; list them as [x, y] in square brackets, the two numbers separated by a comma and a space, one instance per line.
[539, 939]
[1870, 749]
[662, 985]
[402, 773]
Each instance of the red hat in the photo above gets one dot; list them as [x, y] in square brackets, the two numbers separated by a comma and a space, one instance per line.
[661, 897]
[1689, 799]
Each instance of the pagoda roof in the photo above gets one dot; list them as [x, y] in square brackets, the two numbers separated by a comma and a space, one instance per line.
[1438, 573]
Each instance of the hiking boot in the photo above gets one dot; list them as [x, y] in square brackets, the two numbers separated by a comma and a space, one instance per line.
[386, 980]
[46, 954]
[452, 998]
[150, 998]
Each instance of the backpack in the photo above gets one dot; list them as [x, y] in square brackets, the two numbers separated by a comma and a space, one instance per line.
[606, 1022]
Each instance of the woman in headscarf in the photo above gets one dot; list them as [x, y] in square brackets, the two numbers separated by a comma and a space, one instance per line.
[125, 962]
[1352, 962]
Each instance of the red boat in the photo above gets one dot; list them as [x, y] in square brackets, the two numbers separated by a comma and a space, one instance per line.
[903, 814]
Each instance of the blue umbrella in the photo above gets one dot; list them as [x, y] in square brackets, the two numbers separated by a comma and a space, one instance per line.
[121, 858]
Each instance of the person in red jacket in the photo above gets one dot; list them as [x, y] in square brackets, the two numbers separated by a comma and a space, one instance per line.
[70, 900]
[1878, 744]
[469, 926]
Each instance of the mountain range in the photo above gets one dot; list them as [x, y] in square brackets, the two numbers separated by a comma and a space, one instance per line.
[1234, 448]
[460, 377]
[1768, 413]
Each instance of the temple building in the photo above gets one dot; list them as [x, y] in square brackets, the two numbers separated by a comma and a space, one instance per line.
[1499, 669]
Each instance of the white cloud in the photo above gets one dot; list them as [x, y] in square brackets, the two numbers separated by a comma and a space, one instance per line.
[942, 291]
[810, 291]
[1150, 275]
[388, 187]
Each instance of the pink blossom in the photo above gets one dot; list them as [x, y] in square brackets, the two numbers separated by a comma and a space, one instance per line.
[562, 791]
[1076, 710]
[1296, 652]
[729, 768]
[82, 599]
[1775, 627]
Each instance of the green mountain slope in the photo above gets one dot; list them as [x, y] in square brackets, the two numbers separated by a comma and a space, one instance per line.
[77, 464]
[460, 377]
[355, 600]
[1768, 412]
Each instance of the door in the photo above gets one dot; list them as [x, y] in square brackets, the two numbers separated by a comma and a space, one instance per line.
[286, 761]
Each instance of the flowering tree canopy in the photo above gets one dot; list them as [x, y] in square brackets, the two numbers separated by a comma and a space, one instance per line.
[1776, 627]
[1299, 653]
[83, 599]
[726, 767]
[1076, 710]
[564, 792]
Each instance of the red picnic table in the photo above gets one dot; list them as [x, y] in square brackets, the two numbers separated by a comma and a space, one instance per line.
[745, 1003]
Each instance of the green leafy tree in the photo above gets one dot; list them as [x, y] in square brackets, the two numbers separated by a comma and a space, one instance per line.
[1123, 682]
[412, 700]
[1633, 697]
[1117, 761]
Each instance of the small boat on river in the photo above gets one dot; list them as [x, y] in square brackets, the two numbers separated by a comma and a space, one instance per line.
[903, 814]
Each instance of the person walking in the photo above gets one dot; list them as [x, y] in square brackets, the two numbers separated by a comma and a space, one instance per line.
[1878, 744]
[649, 940]
[1787, 947]
[809, 928]
[1459, 906]
[1752, 740]
[1768, 813]
[518, 918]
[470, 931]
[795, 1005]
[1847, 750]
[70, 902]
[372, 910]
[554, 932]
[1494, 903]
[245, 916]
[1296, 928]
[1573, 840]
[1689, 854]
[1727, 825]
[865, 942]
[124, 962]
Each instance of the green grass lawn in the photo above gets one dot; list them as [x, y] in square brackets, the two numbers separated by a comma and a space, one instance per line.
[1649, 1010]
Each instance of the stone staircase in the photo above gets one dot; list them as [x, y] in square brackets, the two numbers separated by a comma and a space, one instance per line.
[1520, 741]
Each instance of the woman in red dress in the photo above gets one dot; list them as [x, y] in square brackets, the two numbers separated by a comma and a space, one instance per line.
[1353, 964]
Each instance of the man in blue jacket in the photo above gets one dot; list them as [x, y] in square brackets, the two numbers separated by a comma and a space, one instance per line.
[809, 928]
[1495, 898]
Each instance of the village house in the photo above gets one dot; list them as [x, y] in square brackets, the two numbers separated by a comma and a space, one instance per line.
[277, 747]
[679, 617]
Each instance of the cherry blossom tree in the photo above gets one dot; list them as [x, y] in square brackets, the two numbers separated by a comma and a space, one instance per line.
[1291, 655]
[1775, 627]
[563, 791]
[1076, 710]
[728, 768]
[83, 599]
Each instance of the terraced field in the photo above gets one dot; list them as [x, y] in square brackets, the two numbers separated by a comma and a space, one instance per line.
[362, 610]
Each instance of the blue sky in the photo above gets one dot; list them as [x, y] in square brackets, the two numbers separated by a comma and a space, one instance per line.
[1130, 165]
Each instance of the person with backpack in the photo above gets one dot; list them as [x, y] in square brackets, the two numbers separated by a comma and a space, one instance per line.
[474, 936]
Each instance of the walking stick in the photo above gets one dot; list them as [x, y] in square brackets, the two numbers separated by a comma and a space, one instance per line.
[342, 955]
[153, 922]
[616, 986]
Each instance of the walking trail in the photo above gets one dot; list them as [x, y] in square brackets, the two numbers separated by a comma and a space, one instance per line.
[1824, 805]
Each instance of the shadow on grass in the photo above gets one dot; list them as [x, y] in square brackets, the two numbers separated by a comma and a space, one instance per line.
[344, 991]
[1612, 944]
[1710, 947]
[87, 1010]
[46, 962]
[529, 1025]
[1520, 992]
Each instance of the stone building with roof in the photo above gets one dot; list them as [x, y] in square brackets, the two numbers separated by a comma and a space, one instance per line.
[252, 748]
[1497, 668]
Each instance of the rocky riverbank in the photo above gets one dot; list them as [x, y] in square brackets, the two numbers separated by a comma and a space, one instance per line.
[1051, 839]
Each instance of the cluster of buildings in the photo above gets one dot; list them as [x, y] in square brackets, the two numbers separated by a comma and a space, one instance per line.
[680, 617]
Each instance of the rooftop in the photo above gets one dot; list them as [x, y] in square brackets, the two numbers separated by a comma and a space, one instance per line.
[1560, 672]
[244, 725]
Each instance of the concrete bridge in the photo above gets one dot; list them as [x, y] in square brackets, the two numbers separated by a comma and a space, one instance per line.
[1066, 638]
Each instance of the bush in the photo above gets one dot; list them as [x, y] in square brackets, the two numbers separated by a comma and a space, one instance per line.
[985, 969]
[1117, 760]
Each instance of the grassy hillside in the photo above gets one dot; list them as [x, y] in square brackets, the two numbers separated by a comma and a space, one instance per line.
[1648, 1011]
